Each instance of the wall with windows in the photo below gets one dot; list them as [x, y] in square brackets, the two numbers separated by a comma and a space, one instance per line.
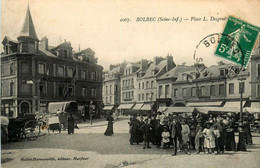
[255, 76]
[146, 89]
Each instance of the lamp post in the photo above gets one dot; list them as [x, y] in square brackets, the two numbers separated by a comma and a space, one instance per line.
[241, 146]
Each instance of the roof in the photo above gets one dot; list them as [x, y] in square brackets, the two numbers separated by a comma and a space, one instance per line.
[63, 45]
[28, 29]
[45, 52]
[152, 67]
[87, 51]
[115, 70]
[7, 39]
[173, 73]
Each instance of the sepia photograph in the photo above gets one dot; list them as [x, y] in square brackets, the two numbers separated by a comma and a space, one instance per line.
[130, 83]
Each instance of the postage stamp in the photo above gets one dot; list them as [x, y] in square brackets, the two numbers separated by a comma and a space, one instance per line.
[237, 41]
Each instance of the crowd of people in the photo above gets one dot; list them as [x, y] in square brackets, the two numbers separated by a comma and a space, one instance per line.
[207, 134]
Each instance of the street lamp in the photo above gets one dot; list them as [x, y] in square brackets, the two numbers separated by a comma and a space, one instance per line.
[241, 146]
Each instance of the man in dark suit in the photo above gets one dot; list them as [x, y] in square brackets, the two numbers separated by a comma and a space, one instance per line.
[176, 133]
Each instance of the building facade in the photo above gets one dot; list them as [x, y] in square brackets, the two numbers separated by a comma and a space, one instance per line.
[34, 74]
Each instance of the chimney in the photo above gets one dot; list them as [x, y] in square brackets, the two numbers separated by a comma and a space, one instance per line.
[144, 64]
[79, 47]
[44, 43]
[169, 63]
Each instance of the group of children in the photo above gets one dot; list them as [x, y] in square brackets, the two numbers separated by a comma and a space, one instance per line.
[191, 132]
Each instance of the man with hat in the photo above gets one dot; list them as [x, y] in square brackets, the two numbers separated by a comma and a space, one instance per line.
[176, 133]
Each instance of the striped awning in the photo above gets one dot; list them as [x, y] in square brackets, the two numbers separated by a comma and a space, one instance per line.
[125, 106]
[146, 107]
[204, 104]
[254, 108]
[137, 106]
[234, 104]
[207, 110]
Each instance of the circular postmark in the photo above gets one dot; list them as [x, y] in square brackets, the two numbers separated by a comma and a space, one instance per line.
[206, 49]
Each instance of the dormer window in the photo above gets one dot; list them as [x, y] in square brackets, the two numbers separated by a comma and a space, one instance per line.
[6, 49]
[24, 48]
[223, 72]
[87, 59]
[184, 77]
[194, 76]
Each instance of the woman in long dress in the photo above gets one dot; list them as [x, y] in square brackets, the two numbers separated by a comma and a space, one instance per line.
[109, 130]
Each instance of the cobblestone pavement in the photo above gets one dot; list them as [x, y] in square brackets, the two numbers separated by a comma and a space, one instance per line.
[88, 147]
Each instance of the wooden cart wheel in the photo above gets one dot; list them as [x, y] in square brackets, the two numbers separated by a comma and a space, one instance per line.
[31, 130]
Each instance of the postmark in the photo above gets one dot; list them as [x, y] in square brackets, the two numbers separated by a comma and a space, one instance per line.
[237, 41]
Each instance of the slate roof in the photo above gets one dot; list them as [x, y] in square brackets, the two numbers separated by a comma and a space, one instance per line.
[173, 73]
[28, 29]
[152, 66]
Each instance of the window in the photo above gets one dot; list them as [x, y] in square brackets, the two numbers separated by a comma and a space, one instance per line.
[106, 89]
[184, 92]
[142, 85]
[70, 72]
[167, 91]
[242, 87]
[25, 68]
[6, 49]
[123, 95]
[258, 70]
[193, 91]
[61, 91]
[70, 91]
[61, 71]
[132, 80]
[223, 72]
[152, 84]
[142, 96]
[84, 92]
[41, 68]
[110, 89]
[212, 90]
[12, 69]
[116, 87]
[88, 59]
[221, 89]
[152, 95]
[42, 89]
[106, 100]
[11, 88]
[258, 91]
[26, 89]
[160, 91]
[93, 76]
[184, 77]
[110, 99]
[132, 93]
[139, 97]
[194, 75]
[147, 96]
[24, 47]
[93, 92]
[147, 84]
[83, 74]
[2, 89]
[139, 86]
[123, 83]
[203, 91]
[231, 88]
[175, 92]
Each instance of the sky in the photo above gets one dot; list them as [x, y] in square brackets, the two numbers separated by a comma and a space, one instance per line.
[96, 24]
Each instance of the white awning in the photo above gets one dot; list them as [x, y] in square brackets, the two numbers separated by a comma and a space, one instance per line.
[125, 106]
[171, 110]
[204, 104]
[53, 107]
[254, 108]
[234, 104]
[146, 107]
[206, 110]
[162, 109]
[137, 106]
[108, 107]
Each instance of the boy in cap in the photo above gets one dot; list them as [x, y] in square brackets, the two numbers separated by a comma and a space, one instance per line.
[146, 127]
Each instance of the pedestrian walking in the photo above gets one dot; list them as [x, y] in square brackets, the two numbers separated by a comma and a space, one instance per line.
[176, 133]
[71, 124]
[109, 131]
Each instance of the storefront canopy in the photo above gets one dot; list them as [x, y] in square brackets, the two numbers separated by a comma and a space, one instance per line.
[171, 110]
[234, 104]
[254, 108]
[207, 110]
[204, 104]
[108, 107]
[137, 106]
[146, 107]
[70, 107]
[125, 106]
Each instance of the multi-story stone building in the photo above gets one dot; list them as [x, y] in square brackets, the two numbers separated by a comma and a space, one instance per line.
[34, 74]
[147, 85]
[112, 87]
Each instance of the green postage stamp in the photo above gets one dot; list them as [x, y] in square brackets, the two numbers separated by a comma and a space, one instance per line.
[237, 41]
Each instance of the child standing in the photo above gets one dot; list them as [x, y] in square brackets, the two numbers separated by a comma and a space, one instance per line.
[199, 140]
[165, 137]
[185, 132]
[209, 140]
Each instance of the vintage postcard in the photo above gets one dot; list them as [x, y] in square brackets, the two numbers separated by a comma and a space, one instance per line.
[127, 83]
